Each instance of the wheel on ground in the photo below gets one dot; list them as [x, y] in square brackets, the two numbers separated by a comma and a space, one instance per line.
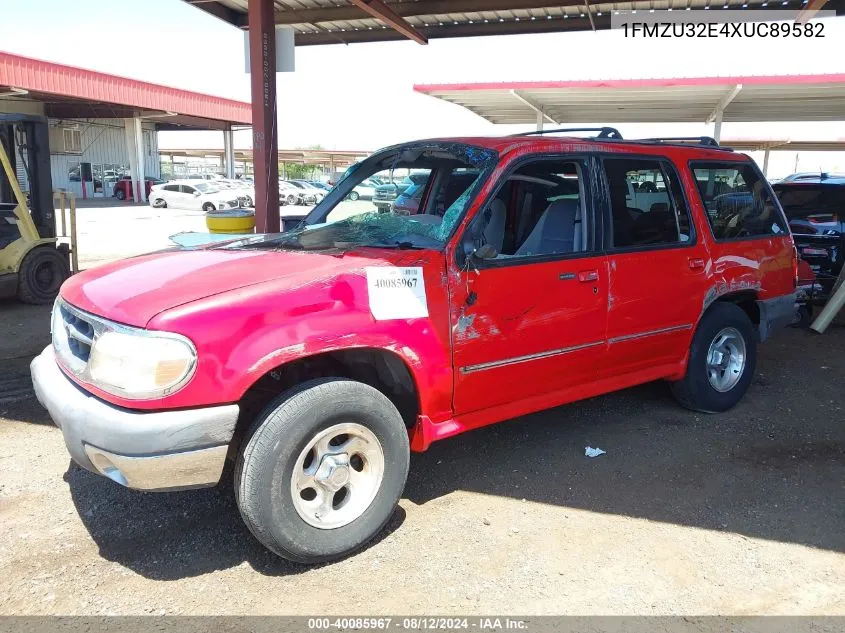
[207, 207]
[803, 317]
[158, 203]
[41, 274]
[292, 199]
[721, 360]
[120, 194]
[354, 195]
[323, 470]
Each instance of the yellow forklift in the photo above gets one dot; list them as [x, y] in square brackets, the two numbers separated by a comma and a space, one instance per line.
[32, 264]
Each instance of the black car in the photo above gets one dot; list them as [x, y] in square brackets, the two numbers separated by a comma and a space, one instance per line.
[815, 208]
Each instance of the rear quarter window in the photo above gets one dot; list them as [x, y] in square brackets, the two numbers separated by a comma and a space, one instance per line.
[738, 201]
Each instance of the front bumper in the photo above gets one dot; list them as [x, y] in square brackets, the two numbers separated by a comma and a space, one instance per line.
[168, 450]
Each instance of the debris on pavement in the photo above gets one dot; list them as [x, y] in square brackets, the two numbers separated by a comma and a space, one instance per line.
[589, 451]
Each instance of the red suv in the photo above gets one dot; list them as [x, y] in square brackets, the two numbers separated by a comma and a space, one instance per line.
[560, 268]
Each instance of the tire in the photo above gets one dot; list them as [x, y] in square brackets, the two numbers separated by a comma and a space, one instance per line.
[42, 272]
[803, 318]
[354, 195]
[292, 199]
[696, 390]
[207, 207]
[120, 194]
[274, 453]
[158, 203]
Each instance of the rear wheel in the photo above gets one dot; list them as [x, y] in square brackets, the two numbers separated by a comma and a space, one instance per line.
[120, 194]
[291, 199]
[354, 195]
[41, 274]
[722, 359]
[323, 470]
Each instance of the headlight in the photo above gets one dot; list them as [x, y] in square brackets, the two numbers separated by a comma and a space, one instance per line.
[142, 365]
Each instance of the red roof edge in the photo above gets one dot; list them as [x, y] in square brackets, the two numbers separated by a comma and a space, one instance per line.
[635, 83]
[37, 75]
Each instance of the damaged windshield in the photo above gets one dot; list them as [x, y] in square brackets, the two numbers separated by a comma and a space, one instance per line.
[408, 196]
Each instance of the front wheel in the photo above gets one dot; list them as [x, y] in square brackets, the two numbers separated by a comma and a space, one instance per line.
[158, 203]
[354, 195]
[323, 470]
[42, 272]
[120, 194]
[208, 207]
[722, 359]
[292, 199]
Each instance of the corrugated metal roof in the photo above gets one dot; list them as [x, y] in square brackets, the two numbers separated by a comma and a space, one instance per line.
[58, 81]
[760, 98]
[340, 21]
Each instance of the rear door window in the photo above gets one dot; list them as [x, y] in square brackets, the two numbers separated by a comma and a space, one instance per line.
[646, 203]
[738, 201]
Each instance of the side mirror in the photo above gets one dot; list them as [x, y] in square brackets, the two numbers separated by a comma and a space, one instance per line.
[485, 251]
[196, 194]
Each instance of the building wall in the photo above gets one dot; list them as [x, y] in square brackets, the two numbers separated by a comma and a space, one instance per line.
[102, 142]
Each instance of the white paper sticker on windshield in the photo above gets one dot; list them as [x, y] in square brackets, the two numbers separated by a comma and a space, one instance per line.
[396, 292]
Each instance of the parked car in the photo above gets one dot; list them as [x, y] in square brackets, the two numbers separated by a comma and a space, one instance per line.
[815, 208]
[386, 193]
[362, 191]
[318, 192]
[244, 191]
[192, 194]
[319, 357]
[123, 187]
[321, 185]
[809, 176]
[297, 194]
[407, 202]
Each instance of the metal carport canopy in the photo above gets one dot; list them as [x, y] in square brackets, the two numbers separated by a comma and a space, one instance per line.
[350, 21]
[684, 100]
[347, 21]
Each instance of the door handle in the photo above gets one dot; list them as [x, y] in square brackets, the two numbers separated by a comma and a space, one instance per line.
[586, 276]
[696, 263]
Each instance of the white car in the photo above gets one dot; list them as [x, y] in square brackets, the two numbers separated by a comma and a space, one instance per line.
[185, 194]
[244, 192]
[365, 190]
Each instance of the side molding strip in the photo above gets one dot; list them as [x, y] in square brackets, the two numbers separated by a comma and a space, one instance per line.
[665, 330]
[469, 369]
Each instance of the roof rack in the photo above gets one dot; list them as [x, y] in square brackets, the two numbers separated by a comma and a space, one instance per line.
[708, 141]
[603, 132]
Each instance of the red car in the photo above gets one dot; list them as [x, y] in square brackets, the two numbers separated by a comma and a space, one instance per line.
[561, 268]
[123, 187]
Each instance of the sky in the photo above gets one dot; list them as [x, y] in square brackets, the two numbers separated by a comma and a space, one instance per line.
[361, 97]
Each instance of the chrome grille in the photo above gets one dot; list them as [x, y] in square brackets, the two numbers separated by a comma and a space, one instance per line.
[74, 332]
[80, 334]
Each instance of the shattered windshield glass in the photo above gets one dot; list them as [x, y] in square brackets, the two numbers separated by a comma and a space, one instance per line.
[370, 207]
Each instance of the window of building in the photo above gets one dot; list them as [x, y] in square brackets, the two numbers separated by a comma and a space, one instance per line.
[72, 141]
[646, 203]
[737, 200]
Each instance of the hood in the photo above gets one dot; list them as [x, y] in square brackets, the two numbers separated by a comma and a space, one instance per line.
[133, 291]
